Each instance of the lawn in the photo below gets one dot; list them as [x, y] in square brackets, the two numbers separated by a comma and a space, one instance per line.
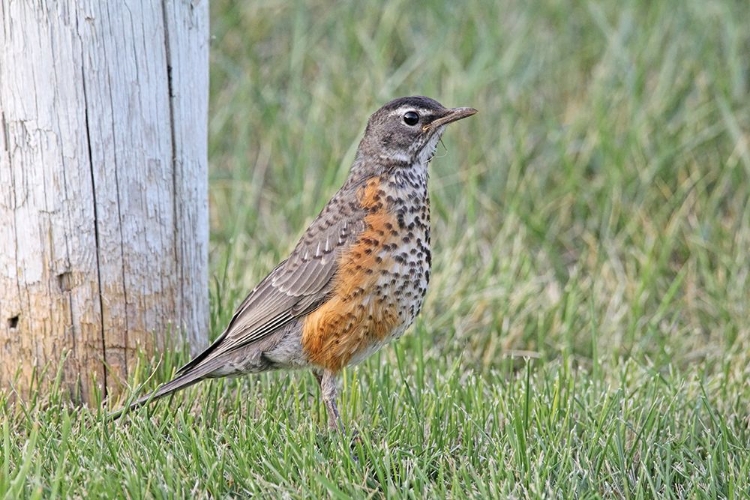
[587, 329]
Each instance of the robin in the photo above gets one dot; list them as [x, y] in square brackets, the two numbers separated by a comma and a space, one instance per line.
[358, 276]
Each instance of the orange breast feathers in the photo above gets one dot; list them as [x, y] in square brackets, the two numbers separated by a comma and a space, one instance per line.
[359, 313]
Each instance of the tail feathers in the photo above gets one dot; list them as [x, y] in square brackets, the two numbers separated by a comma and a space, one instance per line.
[180, 382]
[170, 387]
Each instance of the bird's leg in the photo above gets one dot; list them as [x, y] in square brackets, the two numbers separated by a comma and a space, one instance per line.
[327, 381]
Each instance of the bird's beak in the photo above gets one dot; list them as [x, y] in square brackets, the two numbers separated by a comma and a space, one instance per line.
[453, 115]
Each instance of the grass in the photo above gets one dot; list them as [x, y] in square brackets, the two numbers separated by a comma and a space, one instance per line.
[586, 331]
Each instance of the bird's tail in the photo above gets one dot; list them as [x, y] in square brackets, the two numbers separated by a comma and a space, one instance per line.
[182, 381]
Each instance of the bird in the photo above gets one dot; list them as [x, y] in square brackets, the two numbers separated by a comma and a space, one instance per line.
[356, 279]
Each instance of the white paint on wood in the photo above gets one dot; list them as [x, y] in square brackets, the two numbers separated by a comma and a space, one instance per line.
[103, 184]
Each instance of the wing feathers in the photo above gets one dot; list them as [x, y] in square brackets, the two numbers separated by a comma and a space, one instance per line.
[296, 287]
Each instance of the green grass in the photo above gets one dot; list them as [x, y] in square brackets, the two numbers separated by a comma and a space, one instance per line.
[587, 330]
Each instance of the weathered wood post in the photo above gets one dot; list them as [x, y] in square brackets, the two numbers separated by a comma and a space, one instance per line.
[103, 187]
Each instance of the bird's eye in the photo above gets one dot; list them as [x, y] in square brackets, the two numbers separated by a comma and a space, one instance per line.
[411, 118]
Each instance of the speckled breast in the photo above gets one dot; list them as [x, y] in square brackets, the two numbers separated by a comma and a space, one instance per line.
[382, 279]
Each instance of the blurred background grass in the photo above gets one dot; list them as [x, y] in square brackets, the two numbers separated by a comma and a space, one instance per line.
[597, 205]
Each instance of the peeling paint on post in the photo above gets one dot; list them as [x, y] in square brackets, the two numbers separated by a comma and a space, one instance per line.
[103, 187]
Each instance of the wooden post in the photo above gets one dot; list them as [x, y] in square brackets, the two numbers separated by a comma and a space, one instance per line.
[103, 187]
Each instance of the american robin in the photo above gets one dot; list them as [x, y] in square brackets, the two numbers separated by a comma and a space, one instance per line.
[358, 276]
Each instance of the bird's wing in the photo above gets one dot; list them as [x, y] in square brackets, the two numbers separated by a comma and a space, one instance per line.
[294, 288]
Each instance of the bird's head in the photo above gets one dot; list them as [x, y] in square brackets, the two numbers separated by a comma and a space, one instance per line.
[407, 130]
